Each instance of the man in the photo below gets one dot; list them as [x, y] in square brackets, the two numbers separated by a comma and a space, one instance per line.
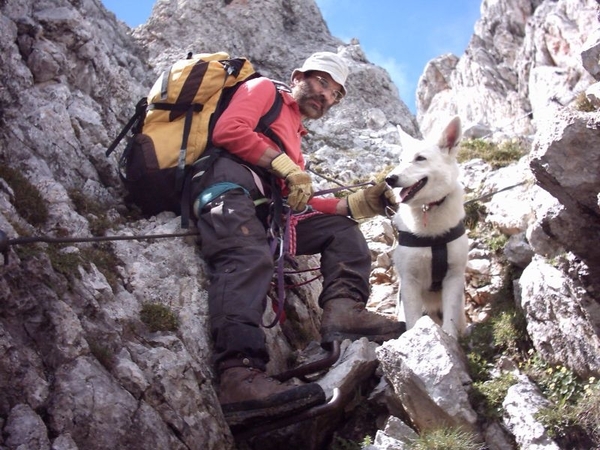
[234, 241]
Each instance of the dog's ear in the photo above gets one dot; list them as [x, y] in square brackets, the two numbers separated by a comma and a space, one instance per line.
[451, 135]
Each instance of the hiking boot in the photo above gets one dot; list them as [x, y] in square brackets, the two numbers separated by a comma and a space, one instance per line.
[247, 396]
[345, 318]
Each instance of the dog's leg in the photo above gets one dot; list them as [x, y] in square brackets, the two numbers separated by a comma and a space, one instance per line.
[411, 303]
[453, 304]
[453, 290]
[400, 308]
[413, 265]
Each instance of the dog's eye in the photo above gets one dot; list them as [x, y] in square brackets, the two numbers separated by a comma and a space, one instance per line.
[420, 158]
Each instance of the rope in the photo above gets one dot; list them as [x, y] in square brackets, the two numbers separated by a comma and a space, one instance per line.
[491, 194]
[293, 220]
[310, 280]
[5, 242]
[51, 240]
[294, 272]
[342, 188]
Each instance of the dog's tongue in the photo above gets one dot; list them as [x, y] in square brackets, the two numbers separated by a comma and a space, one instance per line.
[409, 192]
[404, 192]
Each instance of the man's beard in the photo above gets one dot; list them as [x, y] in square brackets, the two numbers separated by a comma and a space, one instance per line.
[311, 104]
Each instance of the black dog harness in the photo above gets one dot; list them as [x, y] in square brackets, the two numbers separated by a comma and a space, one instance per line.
[439, 252]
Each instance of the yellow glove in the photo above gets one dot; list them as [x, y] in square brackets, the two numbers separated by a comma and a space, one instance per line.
[298, 181]
[371, 201]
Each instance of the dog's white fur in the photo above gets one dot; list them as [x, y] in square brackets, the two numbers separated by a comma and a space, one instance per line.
[436, 161]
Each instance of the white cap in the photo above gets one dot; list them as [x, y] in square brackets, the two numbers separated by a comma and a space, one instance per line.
[329, 63]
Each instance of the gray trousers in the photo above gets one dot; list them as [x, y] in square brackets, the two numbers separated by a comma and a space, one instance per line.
[234, 244]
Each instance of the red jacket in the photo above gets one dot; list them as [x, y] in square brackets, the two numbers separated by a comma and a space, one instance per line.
[234, 131]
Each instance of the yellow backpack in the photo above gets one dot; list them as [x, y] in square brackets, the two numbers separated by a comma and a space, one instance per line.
[172, 127]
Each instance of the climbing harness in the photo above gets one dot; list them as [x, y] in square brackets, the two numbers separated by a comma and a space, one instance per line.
[282, 237]
[439, 251]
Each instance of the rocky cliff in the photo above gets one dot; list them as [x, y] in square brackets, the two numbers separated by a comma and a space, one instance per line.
[104, 340]
[524, 57]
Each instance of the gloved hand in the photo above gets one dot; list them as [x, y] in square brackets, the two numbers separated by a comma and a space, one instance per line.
[371, 201]
[298, 181]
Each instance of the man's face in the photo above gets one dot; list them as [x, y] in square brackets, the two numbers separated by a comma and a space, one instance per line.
[315, 92]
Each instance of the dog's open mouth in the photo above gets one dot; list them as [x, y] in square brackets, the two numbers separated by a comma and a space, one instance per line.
[409, 192]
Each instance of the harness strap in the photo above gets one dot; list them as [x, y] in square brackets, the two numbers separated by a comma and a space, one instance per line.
[408, 239]
[257, 181]
[214, 191]
[279, 303]
[186, 192]
[439, 251]
[439, 266]
[287, 248]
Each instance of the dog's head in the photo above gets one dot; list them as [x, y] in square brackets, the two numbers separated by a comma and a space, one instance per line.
[428, 169]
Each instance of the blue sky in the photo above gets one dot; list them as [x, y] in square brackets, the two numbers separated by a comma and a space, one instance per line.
[399, 35]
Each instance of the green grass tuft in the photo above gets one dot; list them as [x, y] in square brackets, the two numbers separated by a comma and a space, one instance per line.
[445, 439]
[28, 201]
[159, 317]
[497, 155]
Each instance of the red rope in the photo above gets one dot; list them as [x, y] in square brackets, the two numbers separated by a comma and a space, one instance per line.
[294, 219]
[291, 251]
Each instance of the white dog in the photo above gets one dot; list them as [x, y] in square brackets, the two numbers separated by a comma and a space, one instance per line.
[432, 250]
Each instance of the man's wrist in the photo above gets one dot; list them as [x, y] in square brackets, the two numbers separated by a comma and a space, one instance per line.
[342, 207]
[282, 165]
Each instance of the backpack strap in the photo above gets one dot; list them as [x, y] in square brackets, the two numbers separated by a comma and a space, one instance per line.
[265, 121]
[271, 115]
[263, 127]
[134, 121]
[187, 126]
